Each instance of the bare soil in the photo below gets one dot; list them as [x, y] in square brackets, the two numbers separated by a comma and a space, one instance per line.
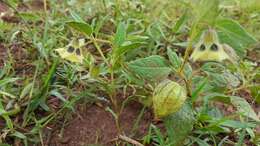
[95, 125]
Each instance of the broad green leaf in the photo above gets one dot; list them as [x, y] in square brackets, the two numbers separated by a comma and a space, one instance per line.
[217, 97]
[180, 124]
[188, 71]
[215, 74]
[217, 80]
[232, 33]
[213, 67]
[81, 27]
[152, 67]
[155, 31]
[243, 107]
[174, 58]
[120, 35]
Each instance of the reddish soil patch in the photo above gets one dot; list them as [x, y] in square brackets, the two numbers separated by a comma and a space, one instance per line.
[97, 126]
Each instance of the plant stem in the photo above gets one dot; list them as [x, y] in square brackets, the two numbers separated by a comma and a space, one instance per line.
[112, 81]
[186, 58]
[99, 50]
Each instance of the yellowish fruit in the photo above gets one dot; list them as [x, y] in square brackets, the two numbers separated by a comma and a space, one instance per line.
[168, 98]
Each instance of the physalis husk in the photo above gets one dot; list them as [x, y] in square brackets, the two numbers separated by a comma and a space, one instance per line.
[210, 49]
[73, 51]
[168, 98]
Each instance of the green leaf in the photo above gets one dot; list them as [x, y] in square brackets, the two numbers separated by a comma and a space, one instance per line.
[159, 135]
[7, 119]
[7, 94]
[232, 33]
[81, 27]
[199, 88]
[7, 80]
[151, 68]
[187, 70]
[243, 107]
[255, 91]
[118, 52]
[217, 97]
[40, 98]
[26, 90]
[200, 142]
[19, 135]
[120, 35]
[174, 58]
[29, 16]
[180, 22]
[180, 124]
[213, 67]
[236, 124]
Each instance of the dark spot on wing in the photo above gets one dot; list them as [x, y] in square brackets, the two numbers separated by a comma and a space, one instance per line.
[214, 47]
[70, 49]
[78, 51]
[202, 47]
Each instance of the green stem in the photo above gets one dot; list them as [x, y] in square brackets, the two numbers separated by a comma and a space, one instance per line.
[186, 58]
[99, 50]
[112, 82]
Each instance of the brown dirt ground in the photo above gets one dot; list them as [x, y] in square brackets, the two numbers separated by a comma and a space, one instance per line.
[97, 126]
[22, 60]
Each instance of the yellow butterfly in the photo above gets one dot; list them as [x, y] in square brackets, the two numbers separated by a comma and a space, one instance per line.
[73, 51]
[210, 49]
